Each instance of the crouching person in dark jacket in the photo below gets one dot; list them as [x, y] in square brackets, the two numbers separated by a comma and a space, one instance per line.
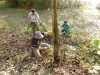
[37, 44]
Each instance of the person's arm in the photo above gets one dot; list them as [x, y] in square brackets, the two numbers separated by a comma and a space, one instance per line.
[48, 33]
[62, 27]
[29, 16]
[39, 20]
[28, 20]
[42, 48]
[68, 29]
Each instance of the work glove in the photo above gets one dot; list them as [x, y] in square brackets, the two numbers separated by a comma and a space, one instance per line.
[41, 23]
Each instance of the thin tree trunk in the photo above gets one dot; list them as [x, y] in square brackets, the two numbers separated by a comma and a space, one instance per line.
[55, 30]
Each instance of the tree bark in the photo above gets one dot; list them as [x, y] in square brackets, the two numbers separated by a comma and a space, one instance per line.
[55, 30]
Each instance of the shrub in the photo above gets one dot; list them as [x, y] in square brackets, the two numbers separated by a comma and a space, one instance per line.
[70, 3]
[42, 4]
[96, 43]
[29, 3]
[12, 3]
[25, 3]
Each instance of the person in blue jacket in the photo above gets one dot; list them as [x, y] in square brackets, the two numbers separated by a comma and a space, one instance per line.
[65, 28]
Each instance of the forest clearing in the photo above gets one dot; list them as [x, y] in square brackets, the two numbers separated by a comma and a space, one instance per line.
[79, 52]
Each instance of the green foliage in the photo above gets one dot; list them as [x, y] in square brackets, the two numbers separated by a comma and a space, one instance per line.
[29, 3]
[96, 43]
[28, 31]
[42, 4]
[11, 19]
[26, 3]
[70, 3]
[46, 73]
[12, 3]
[21, 2]
[45, 27]
[64, 35]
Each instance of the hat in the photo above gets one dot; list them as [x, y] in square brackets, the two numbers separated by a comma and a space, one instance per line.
[38, 34]
[33, 10]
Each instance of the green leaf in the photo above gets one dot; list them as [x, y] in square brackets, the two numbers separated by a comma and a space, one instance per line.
[48, 61]
[45, 73]
[96, 42]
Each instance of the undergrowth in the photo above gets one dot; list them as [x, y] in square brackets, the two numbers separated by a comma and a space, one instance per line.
[82, 47]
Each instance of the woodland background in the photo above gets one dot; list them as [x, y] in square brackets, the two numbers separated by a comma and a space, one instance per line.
[79, 52]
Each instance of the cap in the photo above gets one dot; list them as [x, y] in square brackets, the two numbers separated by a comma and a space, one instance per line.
[38, 34]
[33, 10]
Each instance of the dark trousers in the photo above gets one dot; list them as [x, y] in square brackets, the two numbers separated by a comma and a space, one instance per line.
[64, 31]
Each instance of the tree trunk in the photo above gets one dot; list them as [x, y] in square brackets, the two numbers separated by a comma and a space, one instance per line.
[55, 30]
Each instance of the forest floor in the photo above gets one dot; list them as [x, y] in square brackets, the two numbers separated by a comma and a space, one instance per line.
[77, 59]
